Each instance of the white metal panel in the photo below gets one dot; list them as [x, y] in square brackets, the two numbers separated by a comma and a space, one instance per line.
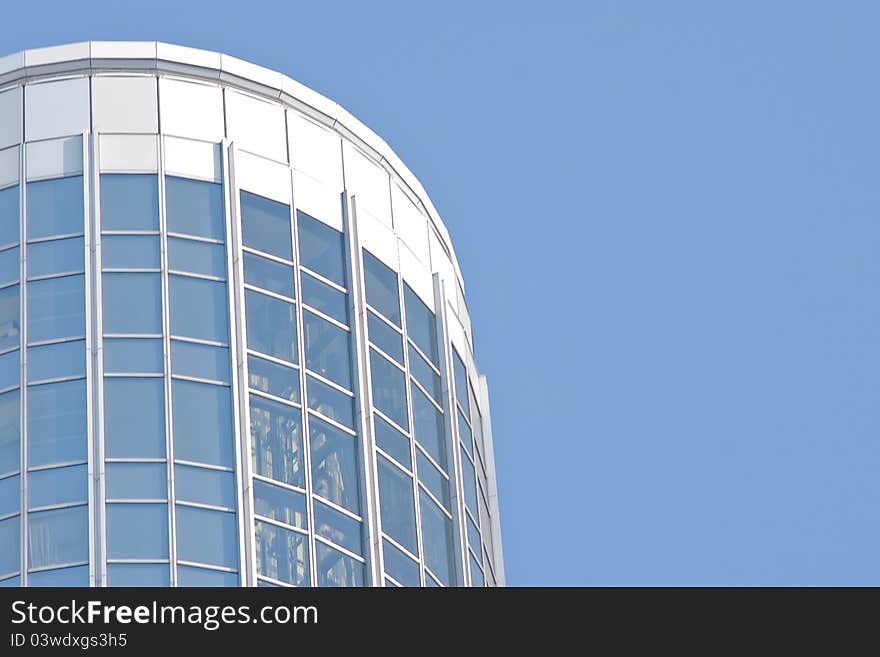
[8, 166]
[129, 153]
[440, 262]
[191, 109]
[184, 55]
[456, 334]
[315, 150]
[123, 49]
[250, 71]
[410, 224]
[263, 177]
[54, 158]
[125, 104]
[256, 126]
[317, 200]
[369, 183]
[378, 239]
[11, 62]
[53, 55]
[193, 159]
[56, 109]
[416, 274]
[10, 117]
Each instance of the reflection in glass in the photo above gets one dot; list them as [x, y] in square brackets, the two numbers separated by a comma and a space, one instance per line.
[134, 418]
[392, 442]
[265, 225]
[206, 536]
[328, 351]
[282, 554]
[271, 326]
[268, 274]
[137, 531]
[10, 327]
[10, 431]
[58, 537]
[9, 222]
[336, 568]
[397, 503]
[399, 566]
[428, 426]
[129, 202]
[202, 419]
[324, 298]
[272, 378]
[421, 326]
[389, 389]
[321, 248]
[280, 504]
[380, 282]
[330, 403]
[57, 486]
[436, 540]
[337, 527]
[276, 437]
[55, 207]
[56, 423]
[334, 465]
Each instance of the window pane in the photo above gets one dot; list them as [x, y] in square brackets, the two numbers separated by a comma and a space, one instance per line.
[334, 465]
[137, 481]
[56, 423]
[397, 503]
[280, 504]
[204, 486]
[328, 351]
[137, 531]
[200, 360]
[197, 257]
[134, 418]
[192, 576]
[10, 369]
[385, 337]
[282, 554]
[265, 225]
[55, 257]
[132, 303]
[271, 326]
[423, 373]
[58, 537]
[55, 207]
[9, 221]
[276, 436]
[273, 378]
[392, 442]
[198, 308]
[432, 479]
[268, 274]
[10, 265]
[399, 566]
[436, 540]
[469, 483]
[420, 324]
[56, 361]
[380, 282]
[389, 389]
[10, 431]
[202, 420]
[130, 252]
[10, 327]
[206, 536]
[11, 582]
[10, 540]
[10, 500]
[139, 356]
[337, 527]
[331, 403]
[56, 308]
[129, 202]
[321, 248]
[57, 486]
[464, 433]
[321, 296]
[194, 207]
[476, 573]
[138, 574]
[473, 534]
[460, 375]
[428, 426]
[337, 569]
[77, 576]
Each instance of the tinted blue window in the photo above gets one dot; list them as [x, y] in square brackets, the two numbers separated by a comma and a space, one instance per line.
[134, 355]
[58, 360]
[194, 207]
[268, 274]
[56, 308]
[10, 539]
[56, 257]
[197, 257]
[204, 486]
[10, 265]
[130, 252]
[397, 502]
[137, 531]
[134, 417]
[56, 423]
[199, 360]
[459, 374]
[137, 481]
[389, 389]
[273, 378]
[10, 327]
[265, 225]
[206, 536]
[336, 568]
[321, 296]
[276, 436]
[58, 537]
[77, 576]
[282, 554]
[385, 337]
[191, 576]
[436, 540]
[198, 308]
[9, 221]
[55, 207]
[473, 534]
[138, 574]
[432, 479]
[380, 282]
[280, 504]
[321, 248]
[57, 486]
[271, 326]
[334, 465]
[328, 351]
[392, 442]
[10, 431]
[330, 402]
[464, 432]
[129, 202]
[132, 303]
[399, 566]
[10, 369]
[428, 426]
[202, 418]
[469, 482]
[337, 527]
[423, 373]
[10, 497]
[420, 324]
[476, 573]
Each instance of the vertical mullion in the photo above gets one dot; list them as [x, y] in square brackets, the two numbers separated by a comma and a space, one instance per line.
[22, 334]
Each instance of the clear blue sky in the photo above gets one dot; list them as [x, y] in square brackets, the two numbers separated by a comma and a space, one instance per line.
[668, 218]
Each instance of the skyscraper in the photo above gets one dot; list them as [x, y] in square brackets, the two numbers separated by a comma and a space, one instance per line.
[234, 343]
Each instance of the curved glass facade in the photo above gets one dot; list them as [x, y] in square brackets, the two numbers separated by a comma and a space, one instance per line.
[234, 347]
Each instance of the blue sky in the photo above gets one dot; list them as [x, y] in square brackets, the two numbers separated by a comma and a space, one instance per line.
[668, 219]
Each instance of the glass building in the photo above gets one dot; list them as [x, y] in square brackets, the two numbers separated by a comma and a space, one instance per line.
[234, 343]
